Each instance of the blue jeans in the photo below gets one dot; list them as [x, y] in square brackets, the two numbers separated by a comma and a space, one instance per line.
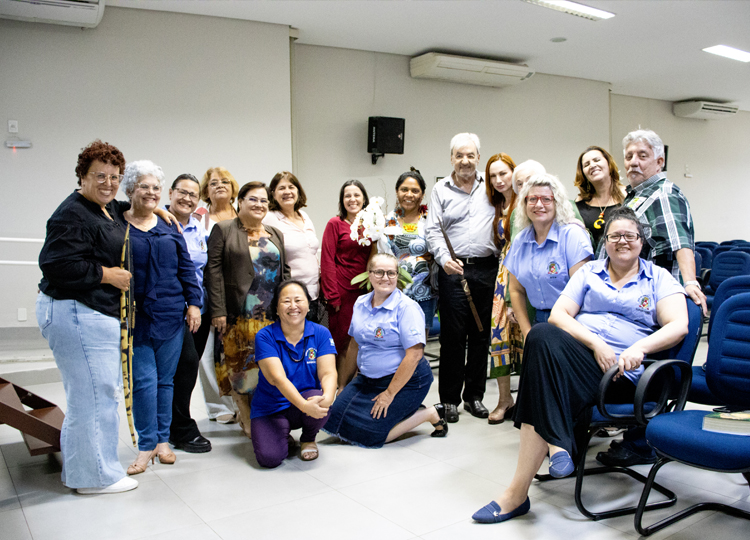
[86, 346]
[154, 364]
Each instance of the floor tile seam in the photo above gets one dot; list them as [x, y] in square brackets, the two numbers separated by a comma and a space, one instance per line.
[389, 520]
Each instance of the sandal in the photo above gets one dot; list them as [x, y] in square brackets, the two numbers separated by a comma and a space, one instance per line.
[309, 451]
[441, 424]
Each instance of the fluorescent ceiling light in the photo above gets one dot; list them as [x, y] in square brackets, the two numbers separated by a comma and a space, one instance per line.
[573, 8]
[729, 52]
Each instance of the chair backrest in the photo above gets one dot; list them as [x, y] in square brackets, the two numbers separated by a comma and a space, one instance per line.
[685, 350]
[728, 360]
[743, 247]
[728, 264]
[732, 242]
[698, 262]
[728, 288]
[709, 245]
[707, 257]
[722, 249]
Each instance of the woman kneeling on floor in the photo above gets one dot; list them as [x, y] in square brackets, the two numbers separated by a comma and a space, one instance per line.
[383, 401]
[297, 380]
[613, 311]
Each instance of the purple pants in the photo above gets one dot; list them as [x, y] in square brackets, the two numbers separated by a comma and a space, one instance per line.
[270, 432]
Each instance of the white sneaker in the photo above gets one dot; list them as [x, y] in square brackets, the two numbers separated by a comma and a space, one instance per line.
[126, 484]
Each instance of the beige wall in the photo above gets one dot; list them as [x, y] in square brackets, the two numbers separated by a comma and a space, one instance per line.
[714, 153]
[550, 119]
[186, 92]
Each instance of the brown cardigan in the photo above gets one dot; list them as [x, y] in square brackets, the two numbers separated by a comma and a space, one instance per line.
[230, 271]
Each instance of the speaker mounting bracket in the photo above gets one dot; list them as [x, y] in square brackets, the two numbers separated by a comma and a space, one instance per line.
[375, 158]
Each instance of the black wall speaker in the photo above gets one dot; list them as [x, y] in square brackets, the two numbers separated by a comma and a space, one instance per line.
[385, 135]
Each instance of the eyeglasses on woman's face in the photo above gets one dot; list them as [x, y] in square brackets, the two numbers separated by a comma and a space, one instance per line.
[628, 236]
[380, 274]
[216, 183]
[101, 177]
[532, 200]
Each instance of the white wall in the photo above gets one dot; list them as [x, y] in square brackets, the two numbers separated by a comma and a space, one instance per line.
[187, 92]
[334, 91]
[714, 152]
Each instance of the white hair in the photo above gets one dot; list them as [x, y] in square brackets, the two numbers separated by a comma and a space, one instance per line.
[646, 136]
[563, 209]
[462, 139]
[530, 167]
[135, 170]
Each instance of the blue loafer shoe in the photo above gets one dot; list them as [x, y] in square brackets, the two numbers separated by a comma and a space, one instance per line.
[560, 465]
[491, 513]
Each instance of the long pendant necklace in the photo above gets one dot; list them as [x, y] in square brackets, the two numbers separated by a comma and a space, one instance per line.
[600, 220]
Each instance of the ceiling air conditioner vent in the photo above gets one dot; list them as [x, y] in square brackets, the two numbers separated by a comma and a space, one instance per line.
[463, 69]
[81, 13]
[703, 110]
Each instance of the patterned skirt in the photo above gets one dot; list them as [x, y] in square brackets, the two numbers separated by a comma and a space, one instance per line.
[506, 339]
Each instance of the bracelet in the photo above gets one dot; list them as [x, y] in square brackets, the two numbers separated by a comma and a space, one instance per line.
[693, 283]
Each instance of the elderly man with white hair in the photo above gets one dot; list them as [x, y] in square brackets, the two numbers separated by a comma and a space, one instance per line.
[459, 202]
[665, 212]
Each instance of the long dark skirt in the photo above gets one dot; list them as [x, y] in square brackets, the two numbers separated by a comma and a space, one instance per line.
[351, 420]
[559, 384]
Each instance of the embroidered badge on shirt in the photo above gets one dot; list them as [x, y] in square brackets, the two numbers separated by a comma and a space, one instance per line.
[644, 303]
[414, 332]
[311, 354]
[333, 343]
[379, 332]
[553, 268]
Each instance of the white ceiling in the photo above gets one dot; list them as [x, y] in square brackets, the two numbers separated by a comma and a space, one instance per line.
[650, 49]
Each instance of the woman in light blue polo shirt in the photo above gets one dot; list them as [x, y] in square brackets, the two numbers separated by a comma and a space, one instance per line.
[547, 252]
[297, 379]
[614, 311]
[383, 401]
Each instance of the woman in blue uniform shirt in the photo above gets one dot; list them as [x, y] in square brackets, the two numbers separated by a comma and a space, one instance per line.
[383, 401]
[297, 380]
[547, 252]
[613, 311]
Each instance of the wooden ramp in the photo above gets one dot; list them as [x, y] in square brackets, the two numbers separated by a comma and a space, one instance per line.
[38, 420]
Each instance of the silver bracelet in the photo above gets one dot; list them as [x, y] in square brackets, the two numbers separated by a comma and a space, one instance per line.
[693, 283]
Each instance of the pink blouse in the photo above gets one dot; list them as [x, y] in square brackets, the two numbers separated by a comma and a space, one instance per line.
[301, 246]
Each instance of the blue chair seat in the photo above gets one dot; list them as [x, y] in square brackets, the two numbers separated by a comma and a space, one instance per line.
[680, 436]
[620, 409]
[699, 392]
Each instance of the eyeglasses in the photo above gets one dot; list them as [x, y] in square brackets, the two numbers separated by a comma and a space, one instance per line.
[101, 177]
[148, 188]
[217, 183]
[184, 193]
[546, 201]
[255, 200]
[381, 273]
[629, 237]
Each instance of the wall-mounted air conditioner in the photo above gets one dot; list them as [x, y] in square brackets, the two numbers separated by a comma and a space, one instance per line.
[463, 69]
[83, 13]
[703, 110]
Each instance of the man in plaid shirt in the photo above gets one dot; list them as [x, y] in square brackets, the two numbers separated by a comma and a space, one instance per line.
[661, 207]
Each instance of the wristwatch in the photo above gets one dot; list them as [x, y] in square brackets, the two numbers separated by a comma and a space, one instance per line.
[697, 284]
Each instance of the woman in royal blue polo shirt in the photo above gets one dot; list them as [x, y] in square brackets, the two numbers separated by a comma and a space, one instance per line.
[297, 380]
[613, 311]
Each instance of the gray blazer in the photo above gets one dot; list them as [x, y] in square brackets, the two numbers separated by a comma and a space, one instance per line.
[229, 271]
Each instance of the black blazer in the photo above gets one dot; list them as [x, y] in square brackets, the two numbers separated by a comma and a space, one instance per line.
[230, 271]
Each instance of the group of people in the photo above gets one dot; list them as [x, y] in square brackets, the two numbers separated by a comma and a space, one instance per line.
[557, 290]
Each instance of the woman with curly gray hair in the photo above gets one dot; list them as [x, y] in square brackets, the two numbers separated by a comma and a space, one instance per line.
[547, 251]
[165, 282]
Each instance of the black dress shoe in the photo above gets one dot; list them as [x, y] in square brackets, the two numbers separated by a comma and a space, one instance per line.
[620, 456]
[198, 445]
[476, 408]
[442, 424]
[451, 413]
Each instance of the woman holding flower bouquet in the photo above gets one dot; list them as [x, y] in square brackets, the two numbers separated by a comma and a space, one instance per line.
[405, 239]
[341, 259]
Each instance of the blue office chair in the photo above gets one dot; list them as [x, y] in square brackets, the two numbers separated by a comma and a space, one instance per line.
[709, 245]
[623, 415]
[722, 249]
[745, 248]
[732, 242]
[679, 436]
[725, 265]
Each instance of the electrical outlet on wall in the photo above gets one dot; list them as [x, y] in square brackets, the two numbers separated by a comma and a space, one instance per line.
[22, 314]
[12, 126]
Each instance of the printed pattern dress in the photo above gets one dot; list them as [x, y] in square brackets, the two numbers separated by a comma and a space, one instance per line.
[506, 338]
[237, 369]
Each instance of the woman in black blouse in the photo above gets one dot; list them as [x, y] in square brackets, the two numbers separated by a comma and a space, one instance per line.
[599, 190]
[78, 313]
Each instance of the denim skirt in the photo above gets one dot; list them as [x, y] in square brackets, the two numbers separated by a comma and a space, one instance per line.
[351, 419]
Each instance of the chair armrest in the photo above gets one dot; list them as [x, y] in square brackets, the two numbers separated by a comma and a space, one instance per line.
[603, 387]
[657, 367]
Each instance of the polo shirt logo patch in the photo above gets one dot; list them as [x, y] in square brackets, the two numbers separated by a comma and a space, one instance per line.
[644, 303]
[333, 343]
[414, 332]
[553, 268]
[379, 333]
[311, 354]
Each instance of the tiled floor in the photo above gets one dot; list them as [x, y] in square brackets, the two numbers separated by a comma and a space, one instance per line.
[417, 487]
